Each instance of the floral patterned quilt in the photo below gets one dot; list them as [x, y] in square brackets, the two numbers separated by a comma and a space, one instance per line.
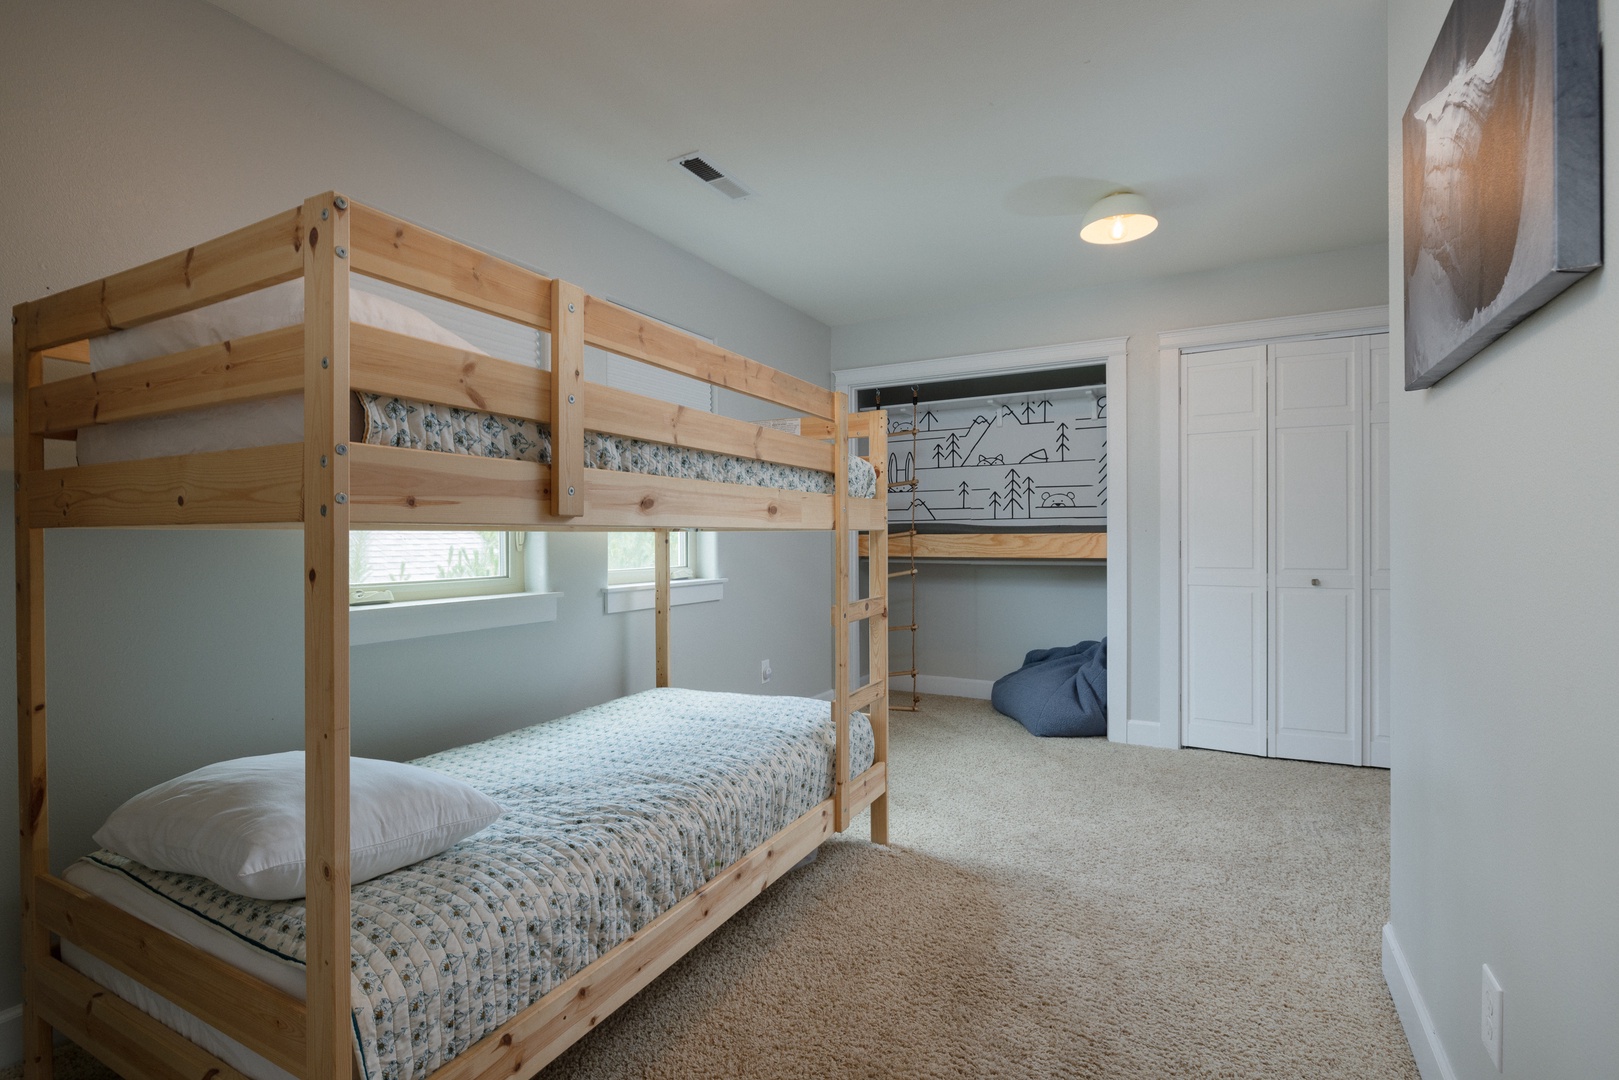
[420, 425]
[612, 816]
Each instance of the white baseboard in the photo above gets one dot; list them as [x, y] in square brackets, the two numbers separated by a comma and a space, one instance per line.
[11, 1035]
[1413, 1012]
[1143, 733]
[950, 686]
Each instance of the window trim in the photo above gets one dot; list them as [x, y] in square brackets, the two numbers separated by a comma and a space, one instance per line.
[646, 575]
[513, 582]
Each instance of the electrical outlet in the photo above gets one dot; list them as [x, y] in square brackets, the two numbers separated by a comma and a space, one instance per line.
[1490, 1017]
[764, 671]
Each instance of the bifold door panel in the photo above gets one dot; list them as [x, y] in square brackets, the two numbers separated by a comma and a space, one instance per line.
[1284, 551]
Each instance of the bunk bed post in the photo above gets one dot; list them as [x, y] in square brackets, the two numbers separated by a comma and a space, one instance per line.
[840, 608]
[326, 234]
[661, 540]
[34, 841]
[567, 399]
[877, 627]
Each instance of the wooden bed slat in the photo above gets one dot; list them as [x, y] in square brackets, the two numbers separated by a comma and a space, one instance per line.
[618, 412]
[232, 487]
[398, 365]
[263, 254]
[266, 1020]
[867, 788]
[398, 487]
[867, 695]
[859, 610]
[1090, 545]
[527, 1042]
[120, 1035]
[248, 369]
[622, 331]
[394, 250]
[382, 362]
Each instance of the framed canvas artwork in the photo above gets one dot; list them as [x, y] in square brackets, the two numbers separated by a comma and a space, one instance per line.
[1502, 175]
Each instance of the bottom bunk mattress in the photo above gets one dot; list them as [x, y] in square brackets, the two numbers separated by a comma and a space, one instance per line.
[610, 817]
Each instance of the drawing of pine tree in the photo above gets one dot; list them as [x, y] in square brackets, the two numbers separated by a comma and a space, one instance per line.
[1062, 442]
[1028, 496]
[953, 448]
[1028, 413]
[1045, 408]
[994, 504]
[1014, 491]
[928, 420]
[963, 491]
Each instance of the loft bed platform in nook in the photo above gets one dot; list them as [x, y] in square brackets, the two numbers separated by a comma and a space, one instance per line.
[330, 482]
[995, 545]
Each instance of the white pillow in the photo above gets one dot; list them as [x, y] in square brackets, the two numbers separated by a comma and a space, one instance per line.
[240, 823]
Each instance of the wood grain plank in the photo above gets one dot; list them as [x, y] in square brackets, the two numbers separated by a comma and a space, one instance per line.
[567, 399]
[840, 598]
[231, 487]
[618, 412]
[125, 1039]
[393, 249]
[382, 362]
[400, 488]
[265, 253]
[867, 695]
[33, 810]
[266, 1020]
[867, 788]
[326, 640]
[394, 364]
[619, 330]
[1091, 545]
[660, 575]
[533, 1038]
[248, 369]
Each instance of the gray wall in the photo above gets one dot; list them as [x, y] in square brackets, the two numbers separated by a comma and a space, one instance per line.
[135, 128]
[1505, 787]
[1004, 625]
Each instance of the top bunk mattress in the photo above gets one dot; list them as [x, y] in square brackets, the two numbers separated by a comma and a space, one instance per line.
[387, 421]
[611, 816]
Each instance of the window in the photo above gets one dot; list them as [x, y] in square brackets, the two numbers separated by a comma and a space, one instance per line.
[631, 555]
[387, 566]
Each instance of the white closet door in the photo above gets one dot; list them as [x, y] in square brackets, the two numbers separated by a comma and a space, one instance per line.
[1317, 570]
[1377, 555]
[1223, 421]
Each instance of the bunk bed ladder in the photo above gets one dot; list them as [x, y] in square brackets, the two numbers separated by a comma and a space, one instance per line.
[848, 611]
[910, 485]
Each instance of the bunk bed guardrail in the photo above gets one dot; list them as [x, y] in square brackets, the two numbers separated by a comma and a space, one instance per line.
[327, 484]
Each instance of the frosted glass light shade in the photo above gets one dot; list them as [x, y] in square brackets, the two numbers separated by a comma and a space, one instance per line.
[1118, 219]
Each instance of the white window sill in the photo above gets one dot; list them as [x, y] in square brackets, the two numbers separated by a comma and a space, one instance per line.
[639, 597]
[372, 624]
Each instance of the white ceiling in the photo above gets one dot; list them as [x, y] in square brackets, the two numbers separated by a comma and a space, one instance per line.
[907, 154]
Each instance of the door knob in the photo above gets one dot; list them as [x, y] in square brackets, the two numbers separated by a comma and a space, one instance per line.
[1315, 581]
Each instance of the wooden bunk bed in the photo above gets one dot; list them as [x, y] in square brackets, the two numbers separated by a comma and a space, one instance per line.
[327, 484]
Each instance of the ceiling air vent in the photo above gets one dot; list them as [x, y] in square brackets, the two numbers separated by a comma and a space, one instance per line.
[705, 171]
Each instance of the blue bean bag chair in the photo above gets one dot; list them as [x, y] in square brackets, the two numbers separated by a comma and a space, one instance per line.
[1057, 691]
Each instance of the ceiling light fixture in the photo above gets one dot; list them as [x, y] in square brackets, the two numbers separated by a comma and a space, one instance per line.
[1118, 219]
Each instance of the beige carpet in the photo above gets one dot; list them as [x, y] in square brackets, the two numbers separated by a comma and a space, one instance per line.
[1050, 908]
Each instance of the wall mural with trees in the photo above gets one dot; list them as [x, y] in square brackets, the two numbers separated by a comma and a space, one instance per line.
[1033, 463]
